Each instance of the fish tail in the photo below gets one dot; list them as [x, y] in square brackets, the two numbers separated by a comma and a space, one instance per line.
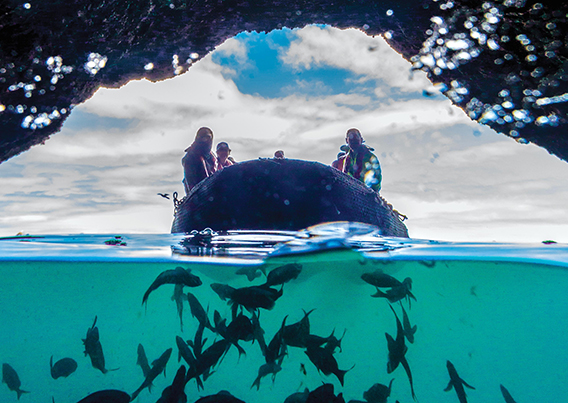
[256, 383]
[21, 392]
[341, 375]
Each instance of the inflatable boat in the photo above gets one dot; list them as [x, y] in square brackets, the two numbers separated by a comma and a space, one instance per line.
[282, 194]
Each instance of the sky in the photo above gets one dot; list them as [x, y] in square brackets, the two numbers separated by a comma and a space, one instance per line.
[296, 90]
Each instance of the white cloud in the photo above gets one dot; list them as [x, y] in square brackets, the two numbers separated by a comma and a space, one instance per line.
[353, 50]
[452, 184]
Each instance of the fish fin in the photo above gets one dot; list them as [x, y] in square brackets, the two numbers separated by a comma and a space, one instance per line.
[466, 384]
[379, 294]
[449, 387]
[241, 350]
[145, 297]
[199, 382]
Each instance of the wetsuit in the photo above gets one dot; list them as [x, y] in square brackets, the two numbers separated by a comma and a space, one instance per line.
[364, 165]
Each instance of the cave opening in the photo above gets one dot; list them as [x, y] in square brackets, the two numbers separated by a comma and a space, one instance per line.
[297, 90]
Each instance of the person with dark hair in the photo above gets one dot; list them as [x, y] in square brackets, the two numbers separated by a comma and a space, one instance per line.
[198, 162]
[360, 162]
[279, 154]
[223, 157]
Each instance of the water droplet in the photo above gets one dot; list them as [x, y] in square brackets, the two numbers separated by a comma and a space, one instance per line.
[457, 44]
[27, 6]
[437, 20]
[542, 120]
[492, 44]
[390, 12]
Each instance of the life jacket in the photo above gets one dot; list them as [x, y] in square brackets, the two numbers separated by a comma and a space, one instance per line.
[364, 166]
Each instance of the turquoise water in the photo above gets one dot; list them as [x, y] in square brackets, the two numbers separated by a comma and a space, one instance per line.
[496, 311]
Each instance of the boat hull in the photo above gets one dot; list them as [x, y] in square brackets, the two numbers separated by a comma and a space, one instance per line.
[282, 194]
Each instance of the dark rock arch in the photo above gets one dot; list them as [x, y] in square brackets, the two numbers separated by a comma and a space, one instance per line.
[512, 75]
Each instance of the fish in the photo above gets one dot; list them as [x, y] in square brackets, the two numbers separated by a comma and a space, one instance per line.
[158, 366]
[240, 328]
[107, 396]
[397, 350]
[190, 359]
[198, 341]
[224, 291]
[255, 297]
[258, 333]
[143, 360]
[283, 274]
[276, 349]
[323, 394]
[408, 329]
[207, 360]
[12, 380]
[380, 280]
[250, 272]
[506, 395]
[198, 312]
[457, 383]
[325, 362]
[266, 369]
[298, 397]
[94, 349]
[178, 297]
[62, 368]
[398, 293]
[296, 334]
[175, 392]
[378, 393]
[177, 276]
[221, 397]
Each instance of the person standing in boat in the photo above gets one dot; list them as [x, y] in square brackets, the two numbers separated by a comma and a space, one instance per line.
[360, 162]
[223, 157]
[198, 162]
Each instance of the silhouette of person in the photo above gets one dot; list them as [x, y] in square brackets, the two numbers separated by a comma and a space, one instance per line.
[198, 162]
[223, 157]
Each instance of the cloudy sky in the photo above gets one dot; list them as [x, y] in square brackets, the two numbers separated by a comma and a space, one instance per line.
[298, 91]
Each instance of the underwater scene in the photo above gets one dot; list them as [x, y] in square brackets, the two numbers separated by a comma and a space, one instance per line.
[335, 314]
